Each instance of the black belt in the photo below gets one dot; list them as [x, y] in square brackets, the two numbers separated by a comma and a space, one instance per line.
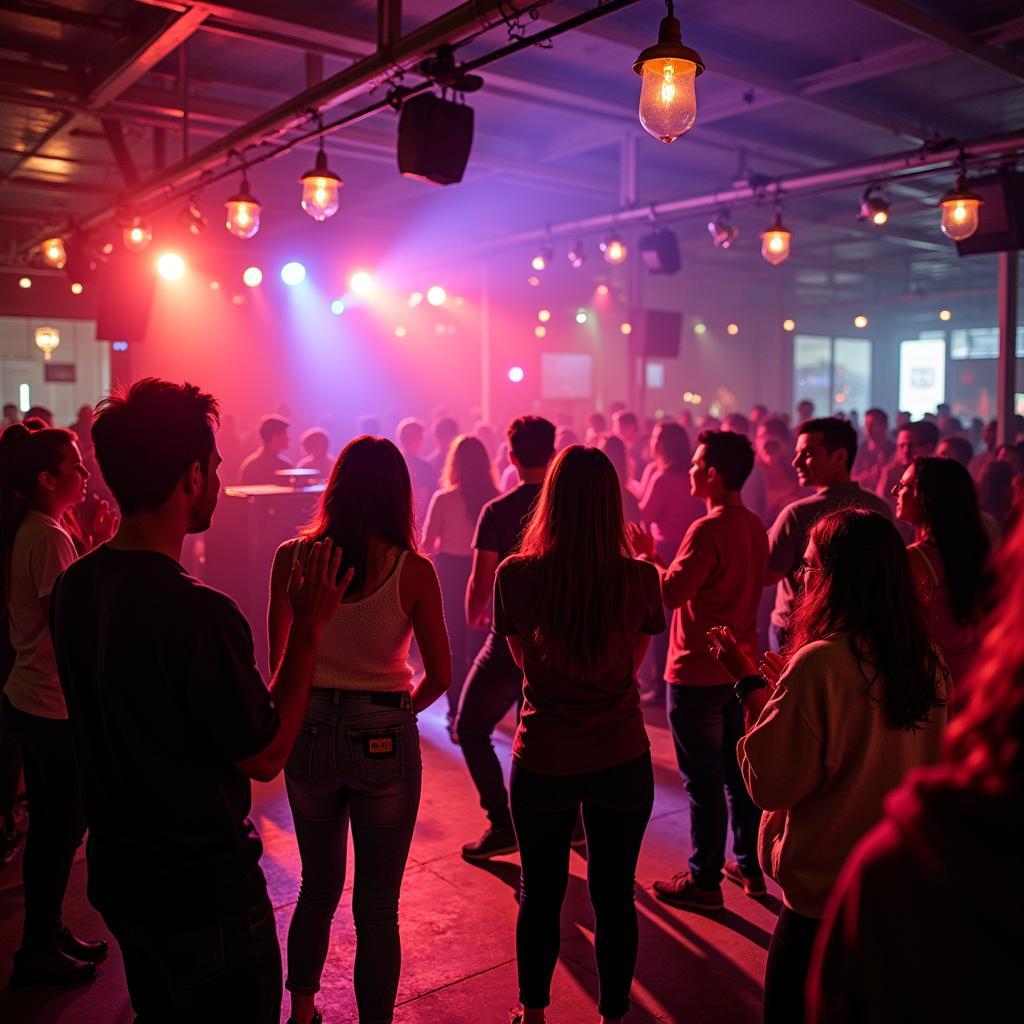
[384, 698]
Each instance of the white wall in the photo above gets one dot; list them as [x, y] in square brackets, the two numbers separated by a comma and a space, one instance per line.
[22, 363]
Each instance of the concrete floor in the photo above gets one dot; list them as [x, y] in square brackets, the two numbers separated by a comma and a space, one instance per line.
[458, 921]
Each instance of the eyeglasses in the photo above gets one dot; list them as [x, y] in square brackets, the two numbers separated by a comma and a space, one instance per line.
[806, 567]
[899, 487]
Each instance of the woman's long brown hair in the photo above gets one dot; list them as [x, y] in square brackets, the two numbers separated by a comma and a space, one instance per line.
[468, 469]
[577, 538]
[864, 589]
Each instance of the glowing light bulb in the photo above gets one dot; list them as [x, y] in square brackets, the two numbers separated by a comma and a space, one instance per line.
[540, 331]
[860, 321]
[337, 307]
[293, 274]
[47, 340]
[415, 299]
[24, 282]
[700, 328]
[77, 288]
[789, 325]
[775, 242]
[400, 332]
[361, 282]
[54, 254]
[732, 329]
[543, 258]
[320, 188]
[581, 316]
[614, 250]
[170, 266]
[516, 374]
[243, 213]
[945, 314]
[137, 235]
[543, 315]
[874, 208]
[601, 290]
[960, 211]
[252, 276]
[215, 286]
[436, 295]
[533, 281]
[626, 328]
[668, 72]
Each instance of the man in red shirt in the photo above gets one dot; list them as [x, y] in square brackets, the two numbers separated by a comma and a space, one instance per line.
[716, 579]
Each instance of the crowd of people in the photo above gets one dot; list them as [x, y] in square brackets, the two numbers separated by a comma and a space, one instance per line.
[831, 618]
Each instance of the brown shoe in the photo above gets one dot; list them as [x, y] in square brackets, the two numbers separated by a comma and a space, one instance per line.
[753, 885]
[683, 891]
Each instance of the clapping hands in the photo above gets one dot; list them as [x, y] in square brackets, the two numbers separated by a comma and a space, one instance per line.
[723, 645]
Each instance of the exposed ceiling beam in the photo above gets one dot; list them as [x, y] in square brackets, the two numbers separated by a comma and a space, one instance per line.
[924, 24]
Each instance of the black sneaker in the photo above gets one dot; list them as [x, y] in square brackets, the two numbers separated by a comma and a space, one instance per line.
[11, 839]
[495, 842]
[51, 967]
[315, 1019]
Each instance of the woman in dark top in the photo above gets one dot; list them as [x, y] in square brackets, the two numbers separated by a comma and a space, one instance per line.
[578, 613]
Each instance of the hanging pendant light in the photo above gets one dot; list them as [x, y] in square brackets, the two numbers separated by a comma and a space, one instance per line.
[136, 234]
[320, 188]
[54, 254]
[47, 340]
[243, 212]
[668, 100]
[960, 209]
[775, 241]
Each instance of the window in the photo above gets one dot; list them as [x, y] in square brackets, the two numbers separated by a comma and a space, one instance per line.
[833, 373]
[979, 343]
[655, 375]
[922, 375]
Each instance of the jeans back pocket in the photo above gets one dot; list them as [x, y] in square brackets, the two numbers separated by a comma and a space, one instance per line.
[300, 760]
[378, 755]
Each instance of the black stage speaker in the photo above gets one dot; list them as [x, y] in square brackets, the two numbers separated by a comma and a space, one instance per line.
[248, 527]
[125, 296]
[656, 333]
[434, 139]
[1001, 217]
[660, 252]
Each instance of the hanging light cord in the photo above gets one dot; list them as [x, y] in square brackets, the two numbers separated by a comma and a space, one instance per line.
[671, 8]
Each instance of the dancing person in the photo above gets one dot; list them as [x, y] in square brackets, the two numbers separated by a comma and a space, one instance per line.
[170, 719]
[577, 613]
[315, 443]
[715, 579]
[860, 701]
[614, 448]
[42, 478]
[898, 907]
[494, 684]
[877, 451]
[825, 451]
[266, 461]
[467, 485]
[356, 761]
[936, 496]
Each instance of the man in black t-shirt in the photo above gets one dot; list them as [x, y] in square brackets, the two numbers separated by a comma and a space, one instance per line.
[495, 682]
[170, 720]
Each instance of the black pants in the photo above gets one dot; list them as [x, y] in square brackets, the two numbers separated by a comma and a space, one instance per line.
[785, 973]
[56, 823]
[706, 724]
[616, 806]
[226, 969]
[494, 684]
[10, 768]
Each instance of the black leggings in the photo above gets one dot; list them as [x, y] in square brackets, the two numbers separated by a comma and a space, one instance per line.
[785, 973]
[616, 806]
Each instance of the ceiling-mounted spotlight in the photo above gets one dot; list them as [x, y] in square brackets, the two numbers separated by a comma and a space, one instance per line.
[723, 232]
[874, 208]
[960, 209]
[614, 250]
[668, 100]
[53, 252]
[543, 258]
[775, 241]
[137, 234]
[243, 211]
[577, 257]
[192, 218]
[320, 187]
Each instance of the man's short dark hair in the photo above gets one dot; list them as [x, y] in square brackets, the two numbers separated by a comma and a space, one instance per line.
[923, 432]
[625, 418]
[271, 427]
[731, 454]
[532, 441]
[835, 434]
[962, 449]
[147, 435]
[880, 413]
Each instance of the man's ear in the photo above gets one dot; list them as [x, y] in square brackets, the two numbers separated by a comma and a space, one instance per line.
[194, 478]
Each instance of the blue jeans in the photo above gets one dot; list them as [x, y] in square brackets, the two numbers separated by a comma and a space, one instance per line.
[706, 724]
[228, 968]
[494, 684]
[356, 759]
[778, 637]
[616, 804]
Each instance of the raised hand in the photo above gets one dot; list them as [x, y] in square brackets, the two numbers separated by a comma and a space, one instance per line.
[771, 667]
[722, 644]
[104, 523]
[314, 589]
[640, 540]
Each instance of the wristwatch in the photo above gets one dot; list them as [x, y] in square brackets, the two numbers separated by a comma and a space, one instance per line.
[747, 685]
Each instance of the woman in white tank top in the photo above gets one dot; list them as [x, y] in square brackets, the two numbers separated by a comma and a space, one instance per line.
[357, 758]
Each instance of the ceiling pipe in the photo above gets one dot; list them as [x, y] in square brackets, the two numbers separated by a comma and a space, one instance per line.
[909, 163]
